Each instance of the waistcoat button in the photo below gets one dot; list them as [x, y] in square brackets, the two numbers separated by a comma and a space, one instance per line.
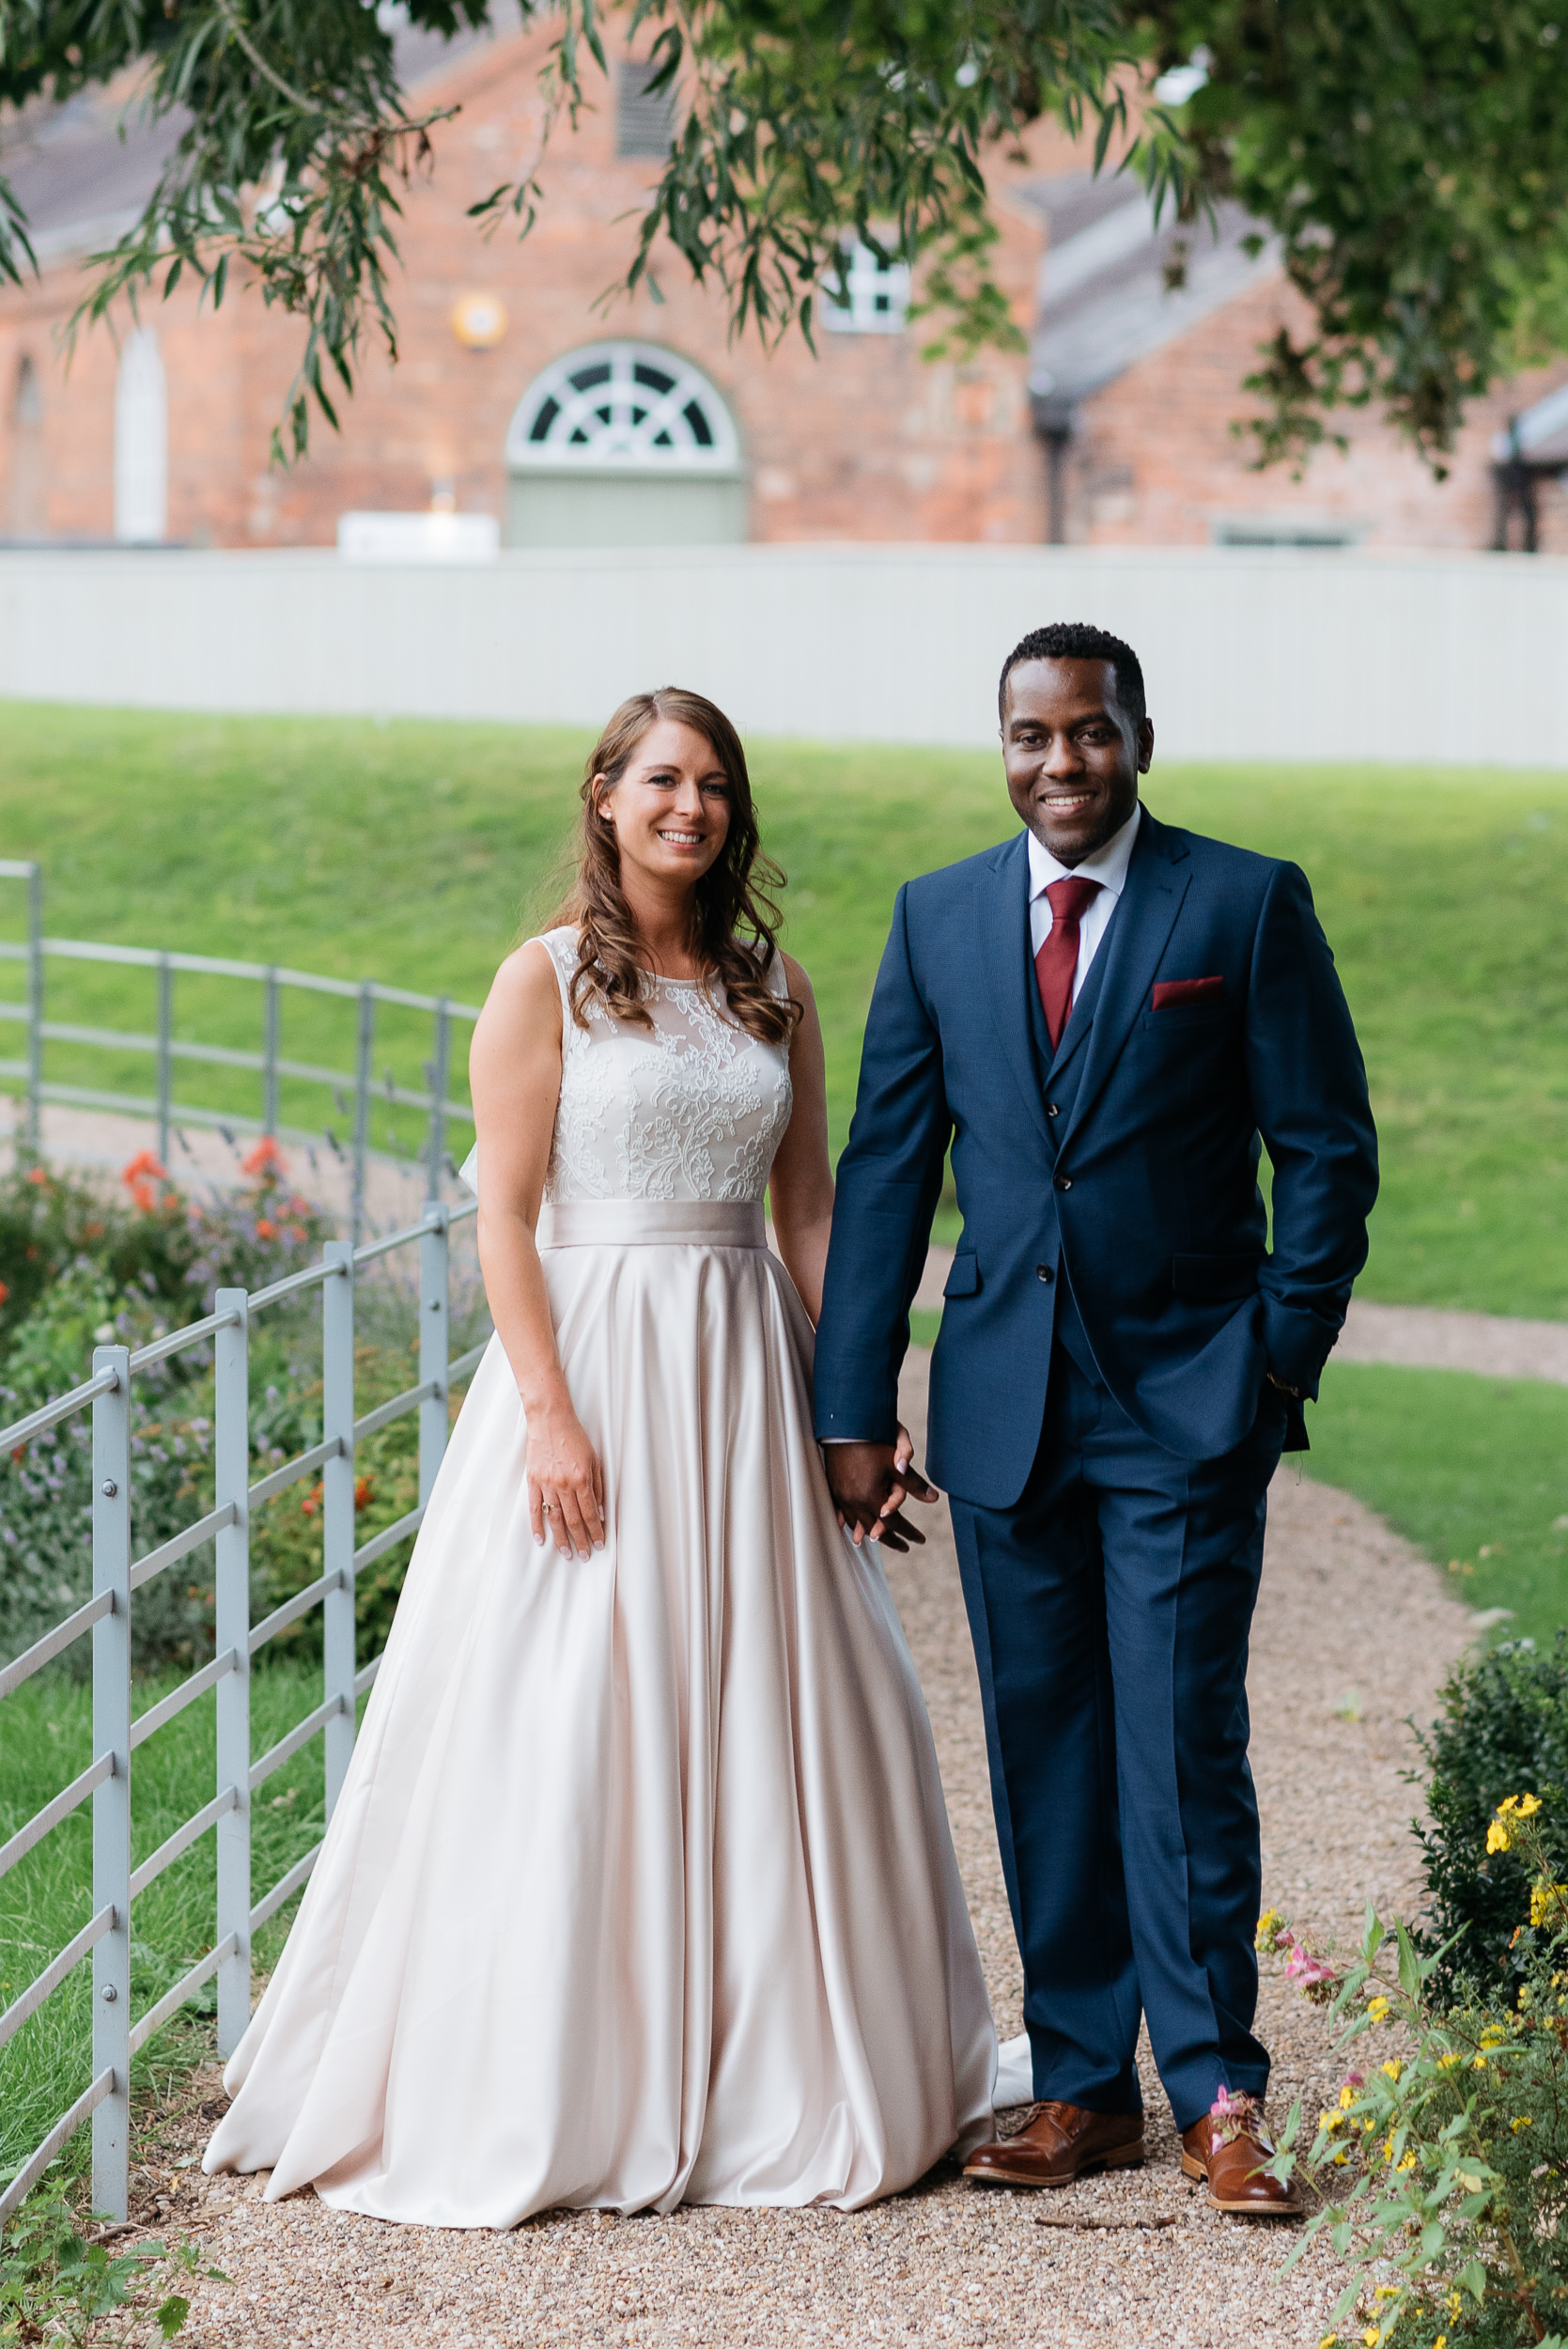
[1042, 1272]
[1063, 1182]
[1051, 1110]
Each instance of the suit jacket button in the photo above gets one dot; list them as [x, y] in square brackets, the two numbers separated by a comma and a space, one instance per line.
[1063, 1182]
[1051, 1110]
[1042, 1272]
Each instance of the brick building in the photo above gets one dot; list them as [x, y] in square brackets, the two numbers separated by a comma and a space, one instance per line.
[517, 397]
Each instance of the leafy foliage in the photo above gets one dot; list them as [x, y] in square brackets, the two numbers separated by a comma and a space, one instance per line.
[57, 2284]
[1411, 161]
[1410, 158]
[1444, 2157]
[95, 1271]
[1504, 1724]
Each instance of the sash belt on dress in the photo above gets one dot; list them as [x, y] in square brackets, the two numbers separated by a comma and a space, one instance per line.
[653, 1224]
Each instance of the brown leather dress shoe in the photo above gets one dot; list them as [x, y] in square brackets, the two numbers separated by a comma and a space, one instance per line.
[1229, 2158]
[1061, 2143]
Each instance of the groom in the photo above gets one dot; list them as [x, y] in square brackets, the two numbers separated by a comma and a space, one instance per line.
[1102, 1017]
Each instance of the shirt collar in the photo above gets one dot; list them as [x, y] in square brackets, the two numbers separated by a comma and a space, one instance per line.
[1108, 865]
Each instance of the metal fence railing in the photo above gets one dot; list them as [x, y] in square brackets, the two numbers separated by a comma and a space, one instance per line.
[356, 1092]
[119, 1574]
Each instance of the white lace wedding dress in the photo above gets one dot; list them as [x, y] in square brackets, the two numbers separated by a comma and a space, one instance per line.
[640, 1890]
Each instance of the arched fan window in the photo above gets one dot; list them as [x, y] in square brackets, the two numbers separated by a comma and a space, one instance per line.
[622, 406]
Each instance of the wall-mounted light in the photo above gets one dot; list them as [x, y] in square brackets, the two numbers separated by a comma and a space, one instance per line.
[479, 321]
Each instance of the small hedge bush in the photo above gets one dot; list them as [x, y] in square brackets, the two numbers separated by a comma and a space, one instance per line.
[1504, 1727]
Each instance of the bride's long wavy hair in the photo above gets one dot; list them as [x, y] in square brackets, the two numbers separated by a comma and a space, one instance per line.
[734, 919]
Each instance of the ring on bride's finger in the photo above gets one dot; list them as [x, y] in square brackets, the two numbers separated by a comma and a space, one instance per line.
[547, 1508]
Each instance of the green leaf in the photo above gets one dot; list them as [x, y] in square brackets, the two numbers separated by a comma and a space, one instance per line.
[1472, 2279]
[1410, 1968]
[171, 2316]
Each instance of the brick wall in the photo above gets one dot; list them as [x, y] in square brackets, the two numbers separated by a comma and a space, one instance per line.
[1155, 462]
[866, 441]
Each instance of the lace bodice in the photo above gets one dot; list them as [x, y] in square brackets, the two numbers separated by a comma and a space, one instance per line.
[694, 1110]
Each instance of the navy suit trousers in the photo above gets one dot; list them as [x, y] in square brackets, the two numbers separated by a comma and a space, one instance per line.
[1111, 1610]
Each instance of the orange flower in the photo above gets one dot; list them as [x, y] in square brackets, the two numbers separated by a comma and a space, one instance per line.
[38, 1174]
[364, 1487]
[266, 1158]
[141, 1178]
[4, 1292]
[312, 1500]
[264, 1229]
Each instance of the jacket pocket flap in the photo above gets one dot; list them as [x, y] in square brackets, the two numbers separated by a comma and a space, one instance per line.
[1214, 1280]
[964, 1278]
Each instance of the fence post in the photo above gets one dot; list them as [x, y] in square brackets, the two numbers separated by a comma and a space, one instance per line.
[337, 1512]
[440, 1063]
[435, 1342]
[165, 1036]
[231, 1447]
[362, 1102]
[111, 2034]
[35, 1009]
[270, 1054]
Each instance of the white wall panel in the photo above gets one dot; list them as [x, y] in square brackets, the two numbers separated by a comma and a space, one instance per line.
[1249, 653]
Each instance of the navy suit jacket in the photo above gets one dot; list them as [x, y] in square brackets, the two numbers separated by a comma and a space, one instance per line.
[1129, 1161]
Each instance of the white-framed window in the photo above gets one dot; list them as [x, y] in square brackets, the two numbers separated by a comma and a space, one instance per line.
[879, 295]
[141, 443]
[622, 405]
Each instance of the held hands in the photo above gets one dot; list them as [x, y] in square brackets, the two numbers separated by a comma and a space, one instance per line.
[566, 1483]
[870, 1484]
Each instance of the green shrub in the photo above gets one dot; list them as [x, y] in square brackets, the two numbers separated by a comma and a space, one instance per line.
[1442, 2161]
[1504, 1725]
[93, 1271]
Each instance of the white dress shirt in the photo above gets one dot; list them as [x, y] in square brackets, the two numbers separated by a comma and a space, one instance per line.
[1108, 865]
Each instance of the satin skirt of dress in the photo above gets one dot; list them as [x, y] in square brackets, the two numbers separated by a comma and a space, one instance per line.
[640, 1889]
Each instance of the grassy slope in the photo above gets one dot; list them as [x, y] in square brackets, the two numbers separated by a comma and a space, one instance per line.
[46, 1898]
[1475, 1471]
[408, 851]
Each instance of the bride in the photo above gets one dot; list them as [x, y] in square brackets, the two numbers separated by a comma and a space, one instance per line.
[640, 1890]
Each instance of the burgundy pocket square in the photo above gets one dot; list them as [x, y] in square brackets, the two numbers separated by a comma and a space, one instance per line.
[1170, 992]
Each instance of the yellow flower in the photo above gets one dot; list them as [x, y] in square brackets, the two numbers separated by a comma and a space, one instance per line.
[1492, 2036]
[1268, 1926]
[1387, 2149]
[1371, 2337]
[1496, 1837]
[1330, 2341]
[1408, 2162]
[1393, 2067]
[1543, 1898]
[1378, 2010]
[1528, 1805]
[1329, 2121]
[1456, 2303]
[1347, 2097]
[1524, 2121]
[1480, 2064]
[1441, 2342]
[1449, 2060]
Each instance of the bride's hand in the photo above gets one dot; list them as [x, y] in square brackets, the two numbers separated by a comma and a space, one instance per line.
[566, 1483]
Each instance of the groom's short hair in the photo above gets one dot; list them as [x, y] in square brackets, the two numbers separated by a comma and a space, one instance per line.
[1077, 640]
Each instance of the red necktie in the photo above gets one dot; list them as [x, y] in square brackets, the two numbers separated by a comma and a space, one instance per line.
[1056, 964]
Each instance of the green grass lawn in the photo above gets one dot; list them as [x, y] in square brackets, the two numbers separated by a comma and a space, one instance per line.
[1474, 1470]
[45, 1739]
[412, 852]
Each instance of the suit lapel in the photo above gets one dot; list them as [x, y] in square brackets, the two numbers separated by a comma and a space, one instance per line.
[1002, 905]
[1142, 922]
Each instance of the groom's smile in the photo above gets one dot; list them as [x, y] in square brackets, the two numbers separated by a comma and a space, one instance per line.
[1073, 755]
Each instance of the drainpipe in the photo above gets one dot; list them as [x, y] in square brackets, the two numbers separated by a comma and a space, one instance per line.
[1054, 419]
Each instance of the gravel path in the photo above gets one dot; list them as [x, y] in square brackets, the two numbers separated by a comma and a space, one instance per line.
[1353, 1632]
